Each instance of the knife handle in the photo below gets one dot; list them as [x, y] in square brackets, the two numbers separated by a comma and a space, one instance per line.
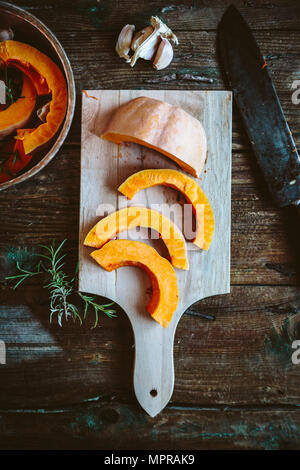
[292, 219]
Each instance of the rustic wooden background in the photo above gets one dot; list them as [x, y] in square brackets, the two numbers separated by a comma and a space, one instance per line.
[236, 387]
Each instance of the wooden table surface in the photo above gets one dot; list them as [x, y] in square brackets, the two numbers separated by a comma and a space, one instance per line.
[236, 386]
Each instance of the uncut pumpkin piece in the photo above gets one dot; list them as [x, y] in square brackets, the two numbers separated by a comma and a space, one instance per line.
[19, 112]
[18, 52]
[164, 300]
[130, 217]
[163, 127]
[188, 187]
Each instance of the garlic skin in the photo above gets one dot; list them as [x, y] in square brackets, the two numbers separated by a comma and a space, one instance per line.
[164, 55]
[124, 41]
[145, 49]
[141, 36]
[6, 34]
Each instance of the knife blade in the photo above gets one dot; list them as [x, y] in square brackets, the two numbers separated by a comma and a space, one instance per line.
[255, 96]
[258, 103]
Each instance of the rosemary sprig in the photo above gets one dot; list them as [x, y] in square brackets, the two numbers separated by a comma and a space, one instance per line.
[90, 302]
[60, 287]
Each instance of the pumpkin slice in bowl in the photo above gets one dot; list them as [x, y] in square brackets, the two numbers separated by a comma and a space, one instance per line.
[130, 217]
[15, 159]
[164, 300]
[160, 126]
[188, 187]
[19, 113]
[32, 59]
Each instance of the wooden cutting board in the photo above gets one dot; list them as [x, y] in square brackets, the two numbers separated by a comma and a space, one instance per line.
[104, 166]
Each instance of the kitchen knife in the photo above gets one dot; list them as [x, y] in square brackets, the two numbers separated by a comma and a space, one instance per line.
[256, 98]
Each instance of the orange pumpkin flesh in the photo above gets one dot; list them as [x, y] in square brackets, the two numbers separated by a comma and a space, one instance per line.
[27, 55]
[130, 217]
[39, 82]
[18, 113]
[162, 127]
[189, 188]
[164, 301]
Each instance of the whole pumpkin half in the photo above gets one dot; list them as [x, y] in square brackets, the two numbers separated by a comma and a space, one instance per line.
[47, 78]
[163, 127]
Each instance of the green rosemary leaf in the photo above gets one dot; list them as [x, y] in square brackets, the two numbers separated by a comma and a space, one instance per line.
[15, 158]
[60, 286]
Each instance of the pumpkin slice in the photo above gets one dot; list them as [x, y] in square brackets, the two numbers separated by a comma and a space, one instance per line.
[18, 113]
[16, 161]
[30, 58]
[189, 188]
[164, 301]
[131, 217]
[39, 82]
[162, 127]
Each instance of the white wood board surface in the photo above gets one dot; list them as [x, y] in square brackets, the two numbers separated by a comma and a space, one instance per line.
[104, 166]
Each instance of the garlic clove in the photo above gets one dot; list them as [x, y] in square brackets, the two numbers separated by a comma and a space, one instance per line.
[124, 41]
[43, 112]
[140, 37]
[160, 30]
[164, 55]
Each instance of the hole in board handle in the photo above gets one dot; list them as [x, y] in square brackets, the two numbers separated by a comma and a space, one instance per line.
[153, 393]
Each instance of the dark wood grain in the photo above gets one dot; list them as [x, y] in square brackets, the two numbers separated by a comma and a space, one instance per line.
[115, 425]
[191, 15]
[241, 358]
[236, 386]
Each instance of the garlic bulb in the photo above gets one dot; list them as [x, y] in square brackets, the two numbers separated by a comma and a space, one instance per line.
[151, 43]
[124, 41]
[164, 55]
[160, 30]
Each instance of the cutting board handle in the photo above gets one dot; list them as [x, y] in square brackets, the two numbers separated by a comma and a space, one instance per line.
[154, 365]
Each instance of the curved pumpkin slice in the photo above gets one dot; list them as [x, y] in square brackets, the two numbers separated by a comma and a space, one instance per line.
[189, 188]
[39, 82]
[45, 67]
[18, 113]
[162, 127]
[131, 217]
[164, 301]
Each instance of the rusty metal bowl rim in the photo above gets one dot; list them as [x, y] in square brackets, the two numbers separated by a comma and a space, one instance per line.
[19, 12]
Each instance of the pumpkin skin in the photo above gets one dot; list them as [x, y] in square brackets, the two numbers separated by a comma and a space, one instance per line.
[162, 127]
[164, 301]
[188, 187]
[30, 58]
[130, 217]
[19, 113]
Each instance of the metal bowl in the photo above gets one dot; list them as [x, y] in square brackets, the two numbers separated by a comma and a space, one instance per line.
[29, 29]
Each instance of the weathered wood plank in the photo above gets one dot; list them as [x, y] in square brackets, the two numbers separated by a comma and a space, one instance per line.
[114, 425]
[241, 358]
[101, 174]
[88, 15]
